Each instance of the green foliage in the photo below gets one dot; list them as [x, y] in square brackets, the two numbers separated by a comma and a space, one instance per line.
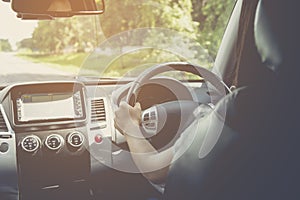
[202, 21]
[127, 15]
[5, 45]
[76, 34]
[72, 59]
[26, 43]
[213, 16]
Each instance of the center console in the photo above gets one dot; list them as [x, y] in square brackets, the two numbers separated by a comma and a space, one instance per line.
[52, 140]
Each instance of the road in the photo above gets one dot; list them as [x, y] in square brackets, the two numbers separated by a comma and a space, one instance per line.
[10, 63]
[15, 69]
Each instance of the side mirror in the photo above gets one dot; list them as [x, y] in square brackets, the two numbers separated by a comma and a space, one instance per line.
[57, 8]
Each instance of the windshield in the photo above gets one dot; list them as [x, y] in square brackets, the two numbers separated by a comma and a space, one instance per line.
[129, 37]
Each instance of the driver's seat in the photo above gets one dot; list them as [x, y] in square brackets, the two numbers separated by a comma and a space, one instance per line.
[257, 153]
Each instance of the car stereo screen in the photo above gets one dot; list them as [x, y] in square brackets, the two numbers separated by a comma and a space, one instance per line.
[33, 107]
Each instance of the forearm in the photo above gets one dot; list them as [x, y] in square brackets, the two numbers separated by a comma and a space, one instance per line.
[154, 165]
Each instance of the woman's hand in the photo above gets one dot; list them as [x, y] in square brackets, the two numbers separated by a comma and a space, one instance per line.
[127, 119]
[154, 165]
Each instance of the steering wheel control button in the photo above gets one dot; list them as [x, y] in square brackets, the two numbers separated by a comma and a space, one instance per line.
[76, 139]
[4, 147]
[31, 143]
[98, 139]
[149, 121]
[54, 142]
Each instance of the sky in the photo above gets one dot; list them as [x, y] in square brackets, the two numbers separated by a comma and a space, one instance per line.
[11, 27]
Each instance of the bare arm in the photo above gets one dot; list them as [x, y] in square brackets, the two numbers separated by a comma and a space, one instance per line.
[153, 164]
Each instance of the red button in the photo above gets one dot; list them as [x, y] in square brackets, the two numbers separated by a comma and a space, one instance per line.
[98, 139]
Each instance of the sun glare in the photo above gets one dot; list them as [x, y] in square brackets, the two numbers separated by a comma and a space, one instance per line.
[12, 28]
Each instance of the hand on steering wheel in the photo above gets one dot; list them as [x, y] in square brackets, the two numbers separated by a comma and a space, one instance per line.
[128, 118]
[170, 117]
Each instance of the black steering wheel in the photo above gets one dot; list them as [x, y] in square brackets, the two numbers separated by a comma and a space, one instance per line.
[208, 76]
[173, 117]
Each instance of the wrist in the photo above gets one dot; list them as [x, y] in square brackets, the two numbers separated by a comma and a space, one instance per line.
[134, 133]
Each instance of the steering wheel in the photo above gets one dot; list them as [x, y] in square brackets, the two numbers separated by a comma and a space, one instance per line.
[175, 116]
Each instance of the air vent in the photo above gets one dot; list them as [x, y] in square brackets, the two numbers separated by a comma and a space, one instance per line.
[97, 111]
[3, 127]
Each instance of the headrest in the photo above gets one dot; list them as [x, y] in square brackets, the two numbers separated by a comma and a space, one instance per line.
[276, 23]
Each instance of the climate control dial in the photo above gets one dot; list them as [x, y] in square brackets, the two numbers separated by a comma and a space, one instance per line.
[76, 139]
[54, 142]
[31, 143]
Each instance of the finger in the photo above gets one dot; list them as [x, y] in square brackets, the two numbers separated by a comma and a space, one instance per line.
[137, 107]
[123, 104]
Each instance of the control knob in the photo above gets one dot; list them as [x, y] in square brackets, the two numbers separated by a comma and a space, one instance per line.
[54, 142]
[75, 139]
[31, 143]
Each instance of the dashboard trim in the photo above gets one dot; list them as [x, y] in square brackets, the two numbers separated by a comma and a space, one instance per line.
[8, 164]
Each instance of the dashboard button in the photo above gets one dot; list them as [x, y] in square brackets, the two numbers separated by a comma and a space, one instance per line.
[30, 143]
[98, 139]
[76, 139]
[4, 147]
[54, 142]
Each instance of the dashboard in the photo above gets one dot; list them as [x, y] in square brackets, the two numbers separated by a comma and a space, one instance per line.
[53, 133]
[50, 132]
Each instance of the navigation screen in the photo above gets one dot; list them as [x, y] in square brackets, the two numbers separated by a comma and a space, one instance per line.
[37, 107]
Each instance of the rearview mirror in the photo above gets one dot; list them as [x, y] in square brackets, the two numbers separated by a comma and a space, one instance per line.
[57, 8]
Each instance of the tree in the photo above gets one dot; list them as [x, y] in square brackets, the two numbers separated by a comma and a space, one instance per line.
[212, 16]
[126, 15]
[5, 45]
[159, 20]
[26, 43]
[200, 20]
[75, 34]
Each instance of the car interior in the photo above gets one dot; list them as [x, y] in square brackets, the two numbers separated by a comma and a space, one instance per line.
[58, 139]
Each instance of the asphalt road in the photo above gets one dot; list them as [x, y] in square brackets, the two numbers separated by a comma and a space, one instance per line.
[10, 64]
[16, 69]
